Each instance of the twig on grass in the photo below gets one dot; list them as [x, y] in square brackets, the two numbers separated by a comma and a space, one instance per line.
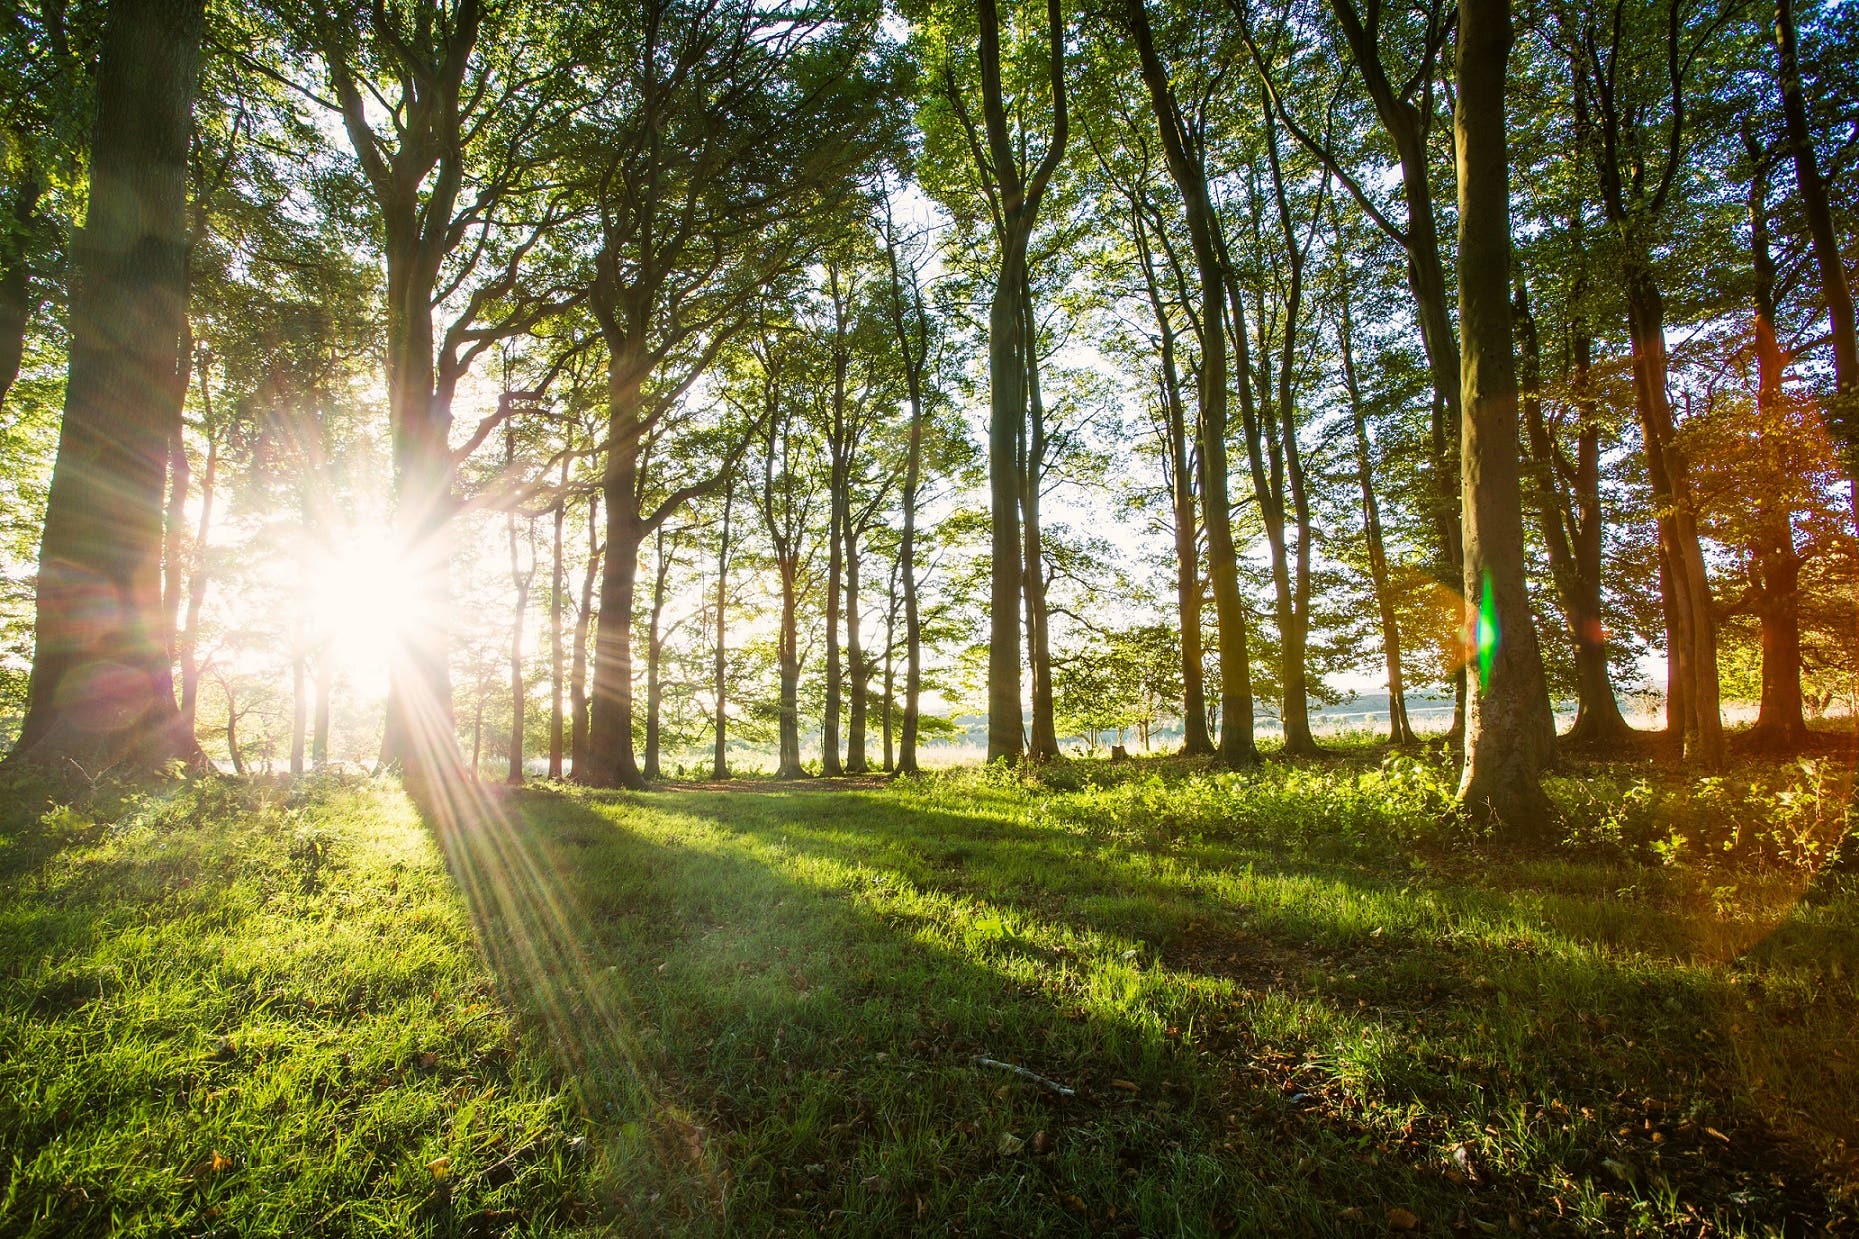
[982, 1060]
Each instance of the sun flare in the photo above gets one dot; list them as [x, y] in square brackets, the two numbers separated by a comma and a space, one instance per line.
[361, 601]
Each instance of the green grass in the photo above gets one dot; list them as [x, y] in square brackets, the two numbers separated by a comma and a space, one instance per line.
[1288, 1002]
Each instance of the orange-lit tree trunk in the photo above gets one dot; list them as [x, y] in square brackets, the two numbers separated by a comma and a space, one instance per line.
[102, 690]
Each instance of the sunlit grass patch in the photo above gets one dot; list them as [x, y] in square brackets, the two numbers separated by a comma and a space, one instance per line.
[241, 1010]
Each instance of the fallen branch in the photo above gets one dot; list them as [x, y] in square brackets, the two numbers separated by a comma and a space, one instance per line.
[982, 1060]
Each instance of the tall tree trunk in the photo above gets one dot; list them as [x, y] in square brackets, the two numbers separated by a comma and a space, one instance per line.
[719, 765]
[17, 299]
[612, 759]
[1043, 743]
[1781, 723]
[174, 554]
[102, 688]
[1288, 476]
[197, 580]
[858, 671]
[557, 730]
[1572, 539]
[519, 696]
[889, 696]
[907, 569]
[789, 656]
[1843, 412]
[1181, 485]
[232, 733]
[1007, 363]
[1692, 613]
[654, 657]
[1187, 169]
[319, 727]
[578, 704]
[299, 703]
[1503, 749]
[1400, 730]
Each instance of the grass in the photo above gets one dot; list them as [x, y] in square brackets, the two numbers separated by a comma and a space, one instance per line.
[1290, 1002]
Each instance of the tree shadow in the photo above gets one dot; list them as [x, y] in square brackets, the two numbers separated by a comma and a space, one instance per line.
[771, 1007]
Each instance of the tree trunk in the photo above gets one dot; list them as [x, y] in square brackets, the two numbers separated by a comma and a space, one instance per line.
[654, 656]
[1408, 126]
[789, 654]
[1843, 412]
[1781, 722]
[859, 674]
[102, 688]
[557, 730]
[1190, 177]
[1007, 364]
[1293, 602]
[1181, 485]
[232, 733]
[1400, 730]
[299, 705]
[197, 581]
[890, 674]
[1578, 582]
[719, 765]
[519, 697]
[1043, 743]
[914, 349]
[1503, 728]
[612, 759]
[17, 299]
[1692, 615]
[578, 704]
[319, 729]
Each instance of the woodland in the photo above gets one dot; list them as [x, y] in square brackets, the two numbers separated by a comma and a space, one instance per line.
[1027, 616]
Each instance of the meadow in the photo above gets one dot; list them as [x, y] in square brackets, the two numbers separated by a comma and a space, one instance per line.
[1145, 998]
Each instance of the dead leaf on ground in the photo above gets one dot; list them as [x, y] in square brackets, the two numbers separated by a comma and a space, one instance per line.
[1401, 1219]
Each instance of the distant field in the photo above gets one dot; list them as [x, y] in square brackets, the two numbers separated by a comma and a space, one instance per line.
[1298, 1000]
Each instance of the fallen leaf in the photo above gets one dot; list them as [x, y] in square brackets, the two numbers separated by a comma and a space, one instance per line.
[440, 1166]
[428, 1061]
[219, 1162]
[1042, 1143]
[1125, 1085]
[1401, 1219]
[1010, 1144]
[1715, 1134]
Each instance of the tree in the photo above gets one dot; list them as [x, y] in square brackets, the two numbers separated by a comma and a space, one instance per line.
[1184, 152]
[1503, 720]
[712, 138]
[102, 689]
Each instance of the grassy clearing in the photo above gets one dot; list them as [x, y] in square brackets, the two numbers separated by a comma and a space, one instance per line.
[1285, 1002]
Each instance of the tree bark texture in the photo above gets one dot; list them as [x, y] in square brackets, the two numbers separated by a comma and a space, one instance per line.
[1503, 726]
[101, 692]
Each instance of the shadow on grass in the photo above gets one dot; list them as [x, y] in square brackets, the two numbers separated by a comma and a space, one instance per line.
[771, 1006]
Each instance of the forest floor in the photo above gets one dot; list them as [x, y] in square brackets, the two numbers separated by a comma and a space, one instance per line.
[1145, 999]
